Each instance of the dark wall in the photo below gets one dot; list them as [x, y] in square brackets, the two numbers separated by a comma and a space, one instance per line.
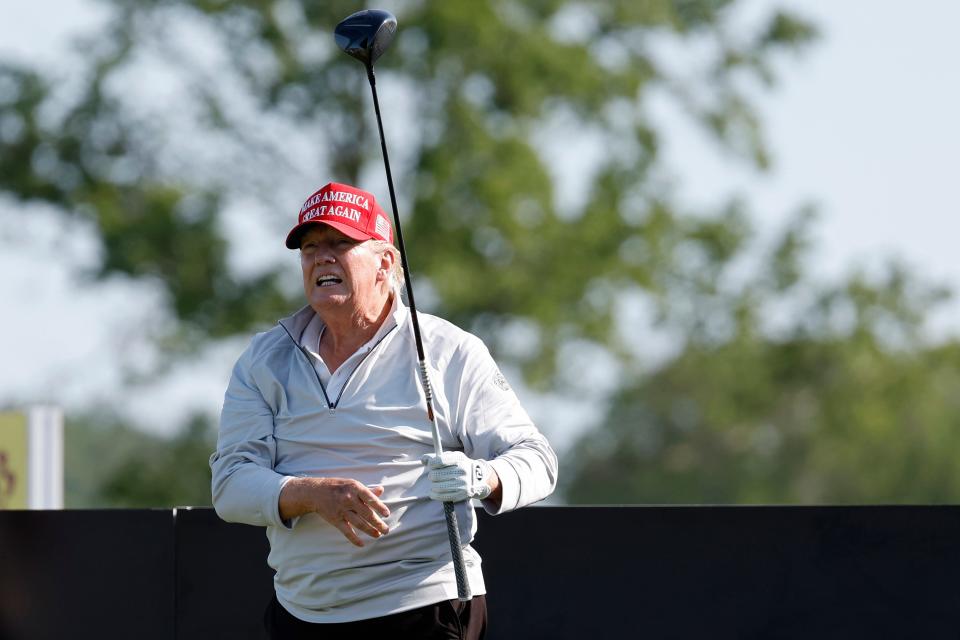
[551, 572]
[86, 574]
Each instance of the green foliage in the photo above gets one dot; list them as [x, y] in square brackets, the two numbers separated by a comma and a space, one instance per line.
[843, 403]
[783, 388]
[110, 464]
[486, 229]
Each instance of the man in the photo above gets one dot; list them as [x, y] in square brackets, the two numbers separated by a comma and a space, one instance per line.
[324, 439]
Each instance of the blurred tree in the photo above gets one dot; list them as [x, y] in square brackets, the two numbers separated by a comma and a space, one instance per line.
[110, 464]
[783, 389]
[243, 94]
[838, 401]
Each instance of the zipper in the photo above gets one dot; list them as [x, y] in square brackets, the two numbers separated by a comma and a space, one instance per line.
[303, 350]
[350, 377]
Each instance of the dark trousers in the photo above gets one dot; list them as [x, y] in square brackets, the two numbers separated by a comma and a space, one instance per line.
[449, 619]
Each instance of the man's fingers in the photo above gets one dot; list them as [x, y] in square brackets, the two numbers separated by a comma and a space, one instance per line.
[349, 533]
[353, 507]
[355, 519]
[370, 516]
[370, 499]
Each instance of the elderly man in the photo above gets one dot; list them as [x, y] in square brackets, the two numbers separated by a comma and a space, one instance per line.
[324, 437]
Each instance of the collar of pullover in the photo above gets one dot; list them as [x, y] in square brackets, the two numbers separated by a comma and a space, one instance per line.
[297, 323]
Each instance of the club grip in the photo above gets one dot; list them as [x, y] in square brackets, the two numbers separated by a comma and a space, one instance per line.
[456, 550]
[425, 381]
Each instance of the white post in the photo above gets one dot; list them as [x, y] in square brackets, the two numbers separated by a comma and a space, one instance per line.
[45, 453]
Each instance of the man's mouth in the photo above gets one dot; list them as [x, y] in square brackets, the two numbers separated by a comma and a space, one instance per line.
[328, 281]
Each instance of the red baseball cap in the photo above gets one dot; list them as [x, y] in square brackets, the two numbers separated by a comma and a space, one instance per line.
[351, 211]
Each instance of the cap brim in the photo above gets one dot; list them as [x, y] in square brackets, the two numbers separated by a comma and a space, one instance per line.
[293, 238]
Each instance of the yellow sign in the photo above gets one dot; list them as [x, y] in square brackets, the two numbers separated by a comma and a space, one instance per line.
[13, 461]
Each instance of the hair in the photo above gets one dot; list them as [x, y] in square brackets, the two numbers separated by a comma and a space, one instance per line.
[396, 273]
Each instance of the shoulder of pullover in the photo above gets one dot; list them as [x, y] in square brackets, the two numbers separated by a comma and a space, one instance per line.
[446, 343]
[265, 343]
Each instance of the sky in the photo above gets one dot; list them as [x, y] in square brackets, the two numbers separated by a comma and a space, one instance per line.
[863, 125]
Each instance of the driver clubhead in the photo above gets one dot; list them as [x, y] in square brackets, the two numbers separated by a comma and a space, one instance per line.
[365, 35]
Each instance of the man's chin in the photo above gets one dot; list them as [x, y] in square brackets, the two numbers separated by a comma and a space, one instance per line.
[328, 299]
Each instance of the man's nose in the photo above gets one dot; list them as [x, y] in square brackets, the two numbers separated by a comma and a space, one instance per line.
[324, 253]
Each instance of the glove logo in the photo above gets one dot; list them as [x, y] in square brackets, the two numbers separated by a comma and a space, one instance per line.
[478, 473]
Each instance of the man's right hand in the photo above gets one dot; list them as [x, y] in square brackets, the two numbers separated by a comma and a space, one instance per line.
[346, 504]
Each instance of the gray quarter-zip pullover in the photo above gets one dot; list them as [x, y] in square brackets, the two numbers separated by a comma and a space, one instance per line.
[280, 422]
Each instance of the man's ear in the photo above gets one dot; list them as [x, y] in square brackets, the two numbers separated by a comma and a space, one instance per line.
[387, 260]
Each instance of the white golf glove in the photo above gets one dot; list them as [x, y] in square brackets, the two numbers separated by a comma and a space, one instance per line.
[454, 477]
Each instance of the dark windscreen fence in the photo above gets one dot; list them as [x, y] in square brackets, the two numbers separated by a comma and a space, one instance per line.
[551, 572]
[86, 574]
[223, 581]
[724, 572]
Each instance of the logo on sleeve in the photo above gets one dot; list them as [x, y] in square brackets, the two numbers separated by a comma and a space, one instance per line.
[500, 381]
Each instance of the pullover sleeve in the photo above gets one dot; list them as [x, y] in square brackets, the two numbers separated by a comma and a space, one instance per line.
[493, 426]
[244, 486]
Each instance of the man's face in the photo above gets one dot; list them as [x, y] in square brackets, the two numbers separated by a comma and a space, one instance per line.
[339, 271]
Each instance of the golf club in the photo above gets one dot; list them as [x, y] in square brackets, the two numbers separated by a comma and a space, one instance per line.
[365, 35]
